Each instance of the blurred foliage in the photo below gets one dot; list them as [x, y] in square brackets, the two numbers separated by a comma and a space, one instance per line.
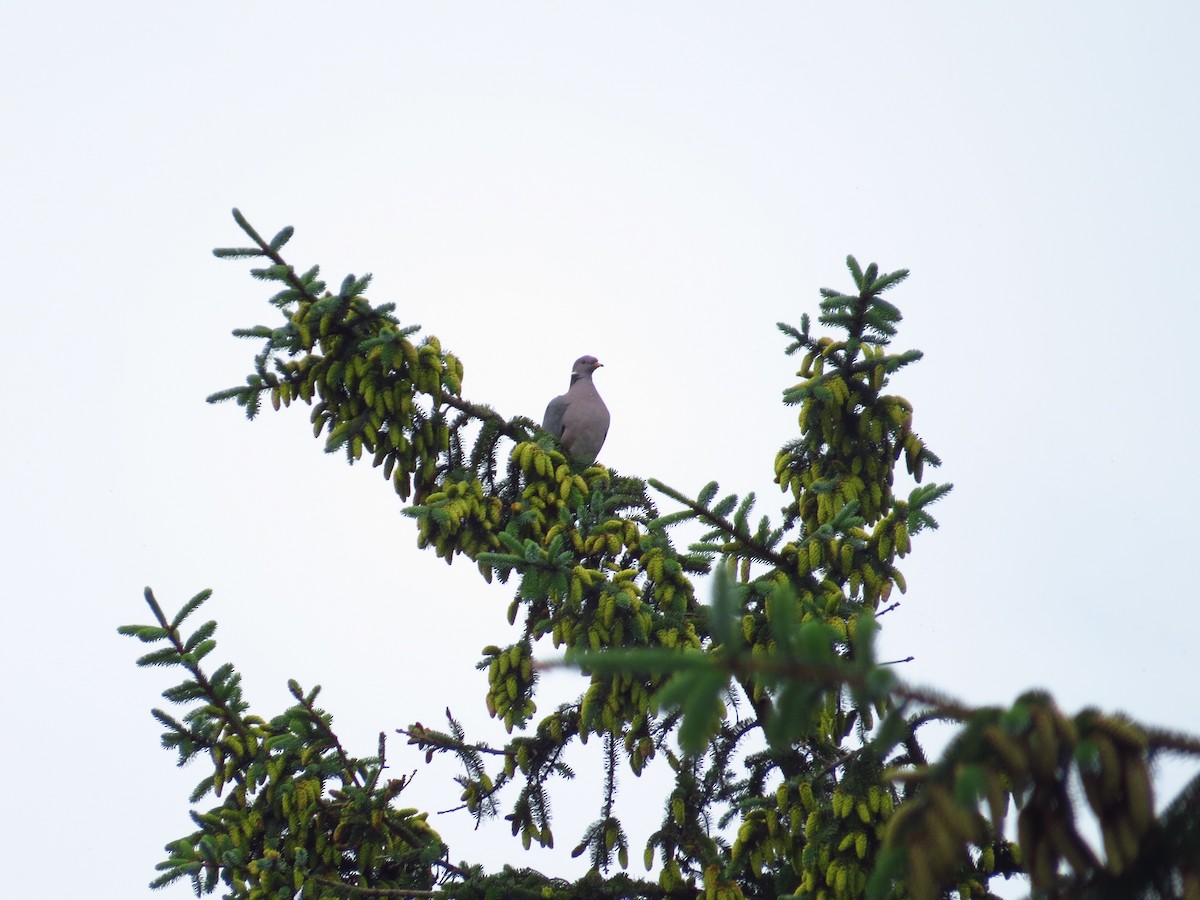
[798, 768]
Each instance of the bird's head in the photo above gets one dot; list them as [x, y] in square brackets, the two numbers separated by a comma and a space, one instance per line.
[584, 367]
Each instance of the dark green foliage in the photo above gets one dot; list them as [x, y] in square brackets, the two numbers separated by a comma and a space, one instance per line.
[298, 813]
[796, 756]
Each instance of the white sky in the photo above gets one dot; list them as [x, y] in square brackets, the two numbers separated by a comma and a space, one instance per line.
[653, 184]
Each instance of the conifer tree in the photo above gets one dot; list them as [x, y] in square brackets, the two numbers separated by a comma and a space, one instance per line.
[818, 774]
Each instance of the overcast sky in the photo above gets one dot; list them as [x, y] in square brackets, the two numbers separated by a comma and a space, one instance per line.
[655, 184]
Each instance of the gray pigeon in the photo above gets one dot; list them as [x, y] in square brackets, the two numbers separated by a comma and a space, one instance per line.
[579, 418]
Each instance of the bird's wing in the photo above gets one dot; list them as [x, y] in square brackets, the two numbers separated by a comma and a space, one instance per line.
[553, 420]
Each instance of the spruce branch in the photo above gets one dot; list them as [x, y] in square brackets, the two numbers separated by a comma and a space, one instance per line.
[320, 720]
[278, 824]
[432, 741]
[517, 429]
[225, 702]
[741, 539]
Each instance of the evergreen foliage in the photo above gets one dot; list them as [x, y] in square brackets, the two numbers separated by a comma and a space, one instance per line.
[817, 772]
[282, 828]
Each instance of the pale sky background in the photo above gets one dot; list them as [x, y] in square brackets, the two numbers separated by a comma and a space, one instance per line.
[655, 184]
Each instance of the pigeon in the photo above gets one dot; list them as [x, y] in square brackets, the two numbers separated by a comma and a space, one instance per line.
[579, 418]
